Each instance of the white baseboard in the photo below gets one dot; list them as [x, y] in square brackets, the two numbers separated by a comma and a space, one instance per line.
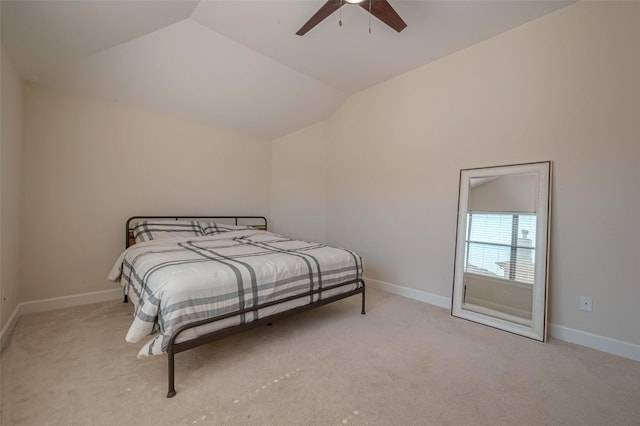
[411, 293]
[9, 326]
[582, 338]
[514, 314]
[43, 305]
[594, 341]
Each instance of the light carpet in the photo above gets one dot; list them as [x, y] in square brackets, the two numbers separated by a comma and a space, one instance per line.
[404, 363]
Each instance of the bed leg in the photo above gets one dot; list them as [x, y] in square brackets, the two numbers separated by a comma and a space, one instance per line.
[172, 389]
[363, 290]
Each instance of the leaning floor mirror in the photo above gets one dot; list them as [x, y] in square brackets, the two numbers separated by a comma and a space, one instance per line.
[502, 240]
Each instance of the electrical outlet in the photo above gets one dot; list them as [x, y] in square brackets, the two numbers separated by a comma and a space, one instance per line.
[586, 303]
[7, 293]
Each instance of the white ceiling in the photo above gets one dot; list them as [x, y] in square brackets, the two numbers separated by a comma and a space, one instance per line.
[238, 64]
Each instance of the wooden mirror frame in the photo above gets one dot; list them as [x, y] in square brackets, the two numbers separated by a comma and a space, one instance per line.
[537, 330]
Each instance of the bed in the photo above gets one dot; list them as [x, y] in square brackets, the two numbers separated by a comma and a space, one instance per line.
[196, 279]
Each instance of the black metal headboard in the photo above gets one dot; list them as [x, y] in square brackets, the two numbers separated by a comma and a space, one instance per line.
[259, 222]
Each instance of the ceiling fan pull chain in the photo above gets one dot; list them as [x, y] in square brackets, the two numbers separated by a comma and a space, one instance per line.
[370, 16]
[340, 20]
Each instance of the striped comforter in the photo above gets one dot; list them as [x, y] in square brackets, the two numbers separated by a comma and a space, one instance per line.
[175, 281]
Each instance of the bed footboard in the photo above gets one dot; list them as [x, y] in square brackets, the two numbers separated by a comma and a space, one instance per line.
[173, 348]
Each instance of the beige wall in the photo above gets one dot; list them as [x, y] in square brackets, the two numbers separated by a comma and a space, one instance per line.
[380, 175]
[299, 182]
[509, 194]
[502, 295]
[10, 186]
[89, 165]
[562, 88]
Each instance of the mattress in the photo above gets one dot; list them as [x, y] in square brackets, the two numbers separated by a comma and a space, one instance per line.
[181, 280]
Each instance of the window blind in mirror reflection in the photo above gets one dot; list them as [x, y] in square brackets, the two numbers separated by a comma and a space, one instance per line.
[501, 245]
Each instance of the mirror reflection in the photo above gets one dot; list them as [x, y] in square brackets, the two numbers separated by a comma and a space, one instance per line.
[500, 246]
[500, 271]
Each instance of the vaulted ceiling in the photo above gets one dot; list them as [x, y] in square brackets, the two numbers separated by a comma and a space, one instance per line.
[238, 64]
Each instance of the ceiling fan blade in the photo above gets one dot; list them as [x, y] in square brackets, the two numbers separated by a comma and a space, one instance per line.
[382, 10]
[327, 9]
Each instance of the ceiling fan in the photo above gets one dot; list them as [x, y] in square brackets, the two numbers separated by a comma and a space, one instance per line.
[381, 9]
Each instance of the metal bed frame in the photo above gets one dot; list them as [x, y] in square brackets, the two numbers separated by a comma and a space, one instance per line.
[173, 348]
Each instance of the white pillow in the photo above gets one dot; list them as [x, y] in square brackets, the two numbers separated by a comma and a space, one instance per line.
[212, 228]
[156, 229]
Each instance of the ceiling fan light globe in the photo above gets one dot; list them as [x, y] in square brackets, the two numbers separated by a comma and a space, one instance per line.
[354, 1]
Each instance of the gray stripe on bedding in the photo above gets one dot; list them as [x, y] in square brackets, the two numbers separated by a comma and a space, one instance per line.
[297, 254]
[234, 269]
[252, 274]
